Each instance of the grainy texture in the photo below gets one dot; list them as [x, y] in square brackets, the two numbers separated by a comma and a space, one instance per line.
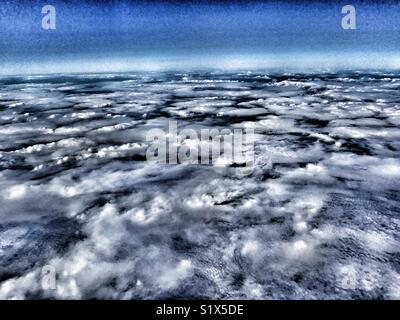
[321, 203]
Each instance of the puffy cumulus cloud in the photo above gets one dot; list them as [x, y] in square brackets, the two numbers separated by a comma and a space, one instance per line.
[16, 192]
[387, 168]
[169, 276]
[320, 204]
[298, 249]
[372, 172]
[110, 262]
[17, 289]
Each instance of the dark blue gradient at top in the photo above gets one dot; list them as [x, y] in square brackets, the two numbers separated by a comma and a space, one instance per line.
[127, 35]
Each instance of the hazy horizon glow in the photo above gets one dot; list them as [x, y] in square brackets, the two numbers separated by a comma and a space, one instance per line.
[299, 63]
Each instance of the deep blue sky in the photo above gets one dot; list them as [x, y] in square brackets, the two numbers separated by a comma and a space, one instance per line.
[132, 35]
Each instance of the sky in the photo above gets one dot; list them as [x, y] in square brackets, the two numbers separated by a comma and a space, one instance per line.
[107, 36]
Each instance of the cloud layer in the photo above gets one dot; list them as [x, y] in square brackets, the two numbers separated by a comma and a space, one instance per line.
[320, 206]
